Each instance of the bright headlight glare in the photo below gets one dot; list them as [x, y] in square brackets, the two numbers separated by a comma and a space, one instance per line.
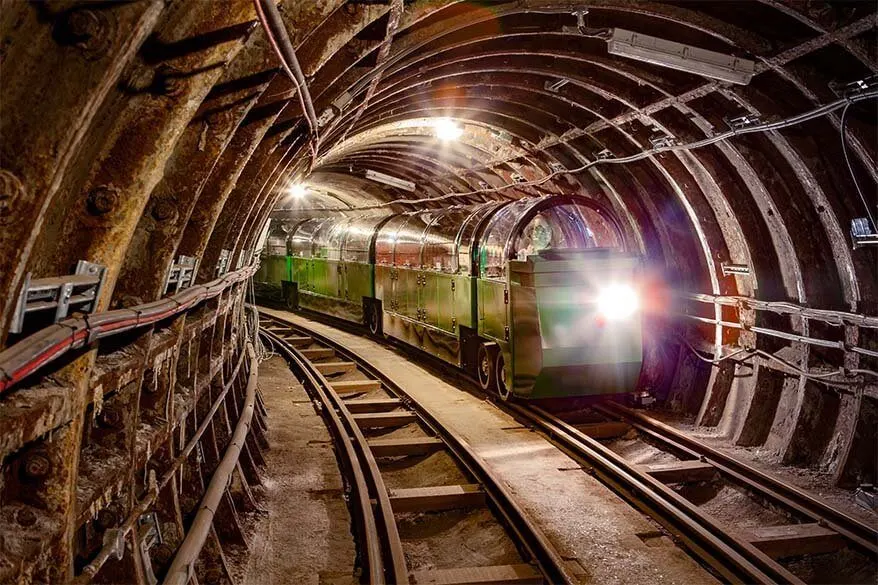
[617, 302]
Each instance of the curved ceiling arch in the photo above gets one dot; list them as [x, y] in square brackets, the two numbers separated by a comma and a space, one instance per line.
[172, 131]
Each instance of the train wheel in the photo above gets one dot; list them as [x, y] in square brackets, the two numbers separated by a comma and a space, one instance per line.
[485, 367]
[374, 318]
[500, 376]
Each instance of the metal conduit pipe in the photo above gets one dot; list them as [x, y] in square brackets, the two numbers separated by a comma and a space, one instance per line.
[276, 33]
[787, 308]
[112, 546]
[181, 568]
[50, 343]
[841, 345]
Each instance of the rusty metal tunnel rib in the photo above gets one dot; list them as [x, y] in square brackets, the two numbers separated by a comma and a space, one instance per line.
[144, 147]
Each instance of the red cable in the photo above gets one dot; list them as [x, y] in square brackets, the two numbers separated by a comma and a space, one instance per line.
[52, 352]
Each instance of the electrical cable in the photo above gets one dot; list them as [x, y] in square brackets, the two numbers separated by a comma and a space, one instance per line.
[30, 354]
[816, 376]
[820, 377]
[830, 316]
[262, 352]
[276, 33]
[766, 127]
[713, 361]
[847, 159]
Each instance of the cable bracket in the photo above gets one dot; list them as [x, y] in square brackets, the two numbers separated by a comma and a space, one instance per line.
[741, 122]
[79, 290]
[854, 88]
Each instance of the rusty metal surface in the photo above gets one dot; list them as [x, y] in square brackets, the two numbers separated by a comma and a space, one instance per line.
[160, 94]
[229, 168]
[134, 132]
[248, 171]
[214, 126]
[38, 143]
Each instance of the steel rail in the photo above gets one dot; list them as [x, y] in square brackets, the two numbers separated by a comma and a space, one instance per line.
[181, 569]
[48, 344]
[859, 534]
[736, 560]
[562, 431]
[342, 425]
[536, 543]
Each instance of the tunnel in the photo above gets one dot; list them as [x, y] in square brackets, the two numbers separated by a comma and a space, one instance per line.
[165, 170]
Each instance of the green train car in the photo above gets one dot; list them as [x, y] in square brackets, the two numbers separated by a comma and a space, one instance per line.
[536, 297]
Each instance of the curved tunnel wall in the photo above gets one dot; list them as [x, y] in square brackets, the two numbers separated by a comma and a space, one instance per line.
[133, 133]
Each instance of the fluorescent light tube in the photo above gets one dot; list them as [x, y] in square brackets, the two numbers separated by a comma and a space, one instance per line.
[626, 43]
[389, 180]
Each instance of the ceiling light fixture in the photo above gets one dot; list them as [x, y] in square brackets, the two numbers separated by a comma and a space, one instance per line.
[641, 47]
[297, 190]
[390, 180]
[447, 129]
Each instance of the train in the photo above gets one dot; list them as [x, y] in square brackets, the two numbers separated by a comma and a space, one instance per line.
[535, 297]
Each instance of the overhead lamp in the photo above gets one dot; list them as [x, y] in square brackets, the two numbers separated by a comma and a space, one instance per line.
[447, 129]
[297, 190]
[390, 180]
[641, 47]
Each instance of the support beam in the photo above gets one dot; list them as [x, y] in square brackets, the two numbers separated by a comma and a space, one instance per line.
[349, 386]
[384, 420]
[298, 340]
[377, 405]
[317, 353]
[682, 471]
[435, 498]
[793, 540]
[605, 430]
[507, 574]
[404, 447]
[330, 368]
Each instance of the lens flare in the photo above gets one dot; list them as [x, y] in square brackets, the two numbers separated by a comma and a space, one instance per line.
[297, 190]
[617, 302]
[447, 129]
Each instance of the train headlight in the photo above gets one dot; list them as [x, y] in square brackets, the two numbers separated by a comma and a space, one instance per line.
[617, 302]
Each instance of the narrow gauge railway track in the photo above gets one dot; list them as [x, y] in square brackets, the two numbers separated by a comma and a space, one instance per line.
[375, 507]
[855, 533]
[735, 555]
[751, 555]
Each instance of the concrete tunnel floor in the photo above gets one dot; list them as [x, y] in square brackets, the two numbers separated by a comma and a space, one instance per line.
[305, 537]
